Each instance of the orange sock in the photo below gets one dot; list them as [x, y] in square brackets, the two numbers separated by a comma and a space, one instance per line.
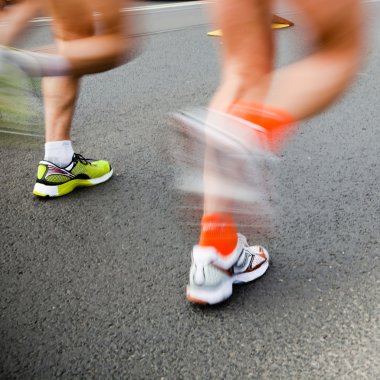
[218, 230]
[278, 123]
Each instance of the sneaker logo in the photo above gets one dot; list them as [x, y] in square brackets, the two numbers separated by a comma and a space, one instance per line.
[52, 169]
[243, 264]
[213, 226]
[251, 267]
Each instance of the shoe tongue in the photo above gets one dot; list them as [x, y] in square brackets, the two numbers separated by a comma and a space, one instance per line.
[70, 166]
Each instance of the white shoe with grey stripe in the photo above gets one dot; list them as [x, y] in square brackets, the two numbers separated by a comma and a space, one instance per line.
[212, 275]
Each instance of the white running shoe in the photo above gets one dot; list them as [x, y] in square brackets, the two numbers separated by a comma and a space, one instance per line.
[212, 275]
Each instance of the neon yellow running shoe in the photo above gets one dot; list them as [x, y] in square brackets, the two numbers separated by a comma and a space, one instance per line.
[53, 181]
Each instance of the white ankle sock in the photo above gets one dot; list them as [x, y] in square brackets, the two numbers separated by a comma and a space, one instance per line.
[59, 153]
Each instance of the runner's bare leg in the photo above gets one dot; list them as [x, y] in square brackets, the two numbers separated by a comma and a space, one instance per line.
[300, 89]
[86, 51]
[14, 19]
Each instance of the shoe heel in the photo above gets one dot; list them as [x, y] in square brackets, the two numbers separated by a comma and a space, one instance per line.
[42, 190]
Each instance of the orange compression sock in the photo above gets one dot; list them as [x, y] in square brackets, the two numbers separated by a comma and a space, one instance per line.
[218, 230]
[278, 123]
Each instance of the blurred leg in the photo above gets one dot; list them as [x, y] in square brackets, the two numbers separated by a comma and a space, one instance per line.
[14, 19]
[248, 49]
[294, 92]
[247, 59]
[86, 45]
[270, 101]
[88, 50]
[73, 20]
[248, 54]
[311, 84]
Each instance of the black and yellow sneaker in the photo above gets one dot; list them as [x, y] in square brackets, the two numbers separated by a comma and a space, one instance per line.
[53, 181]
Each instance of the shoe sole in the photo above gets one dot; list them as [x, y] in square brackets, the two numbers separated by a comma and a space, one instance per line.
[210, 296]
[243, 278]
[224, 290]
[42, 190]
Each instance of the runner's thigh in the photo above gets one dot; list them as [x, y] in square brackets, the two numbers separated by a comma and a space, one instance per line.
[333, 21]
[72, 19]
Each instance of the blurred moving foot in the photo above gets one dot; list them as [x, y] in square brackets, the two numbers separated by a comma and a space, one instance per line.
[53, 181]
[12, 89]
[20, 103]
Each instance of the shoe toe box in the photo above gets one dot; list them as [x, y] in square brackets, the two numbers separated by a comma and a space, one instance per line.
[103, 167]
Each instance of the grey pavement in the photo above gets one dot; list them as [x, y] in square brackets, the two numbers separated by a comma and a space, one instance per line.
[92, 284]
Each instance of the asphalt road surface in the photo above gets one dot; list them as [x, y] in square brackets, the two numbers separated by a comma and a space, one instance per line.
[92, 284]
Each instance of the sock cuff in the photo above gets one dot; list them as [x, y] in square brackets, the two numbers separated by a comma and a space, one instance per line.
[270, 116]
[277, 122]
[58, 144]
[218, 230]
[59, 153]
[216, 219]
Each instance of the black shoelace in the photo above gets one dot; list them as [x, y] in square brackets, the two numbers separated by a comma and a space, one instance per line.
[79, 158]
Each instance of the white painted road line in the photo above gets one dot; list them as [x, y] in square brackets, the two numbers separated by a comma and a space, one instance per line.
[165, 6]
[144, 8]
